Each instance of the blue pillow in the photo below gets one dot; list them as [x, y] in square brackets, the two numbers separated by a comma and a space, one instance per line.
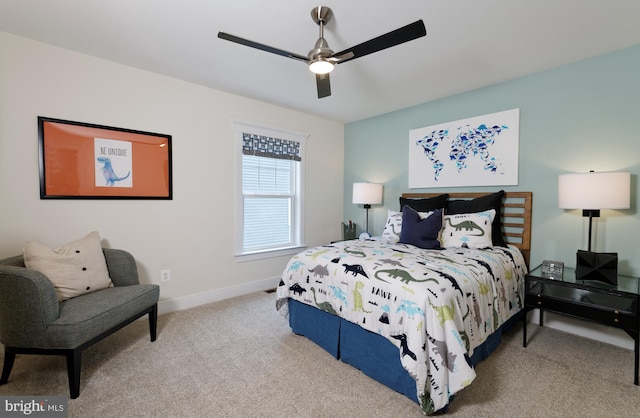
[422, 233]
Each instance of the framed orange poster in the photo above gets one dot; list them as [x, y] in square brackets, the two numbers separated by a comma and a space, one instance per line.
[87, 161]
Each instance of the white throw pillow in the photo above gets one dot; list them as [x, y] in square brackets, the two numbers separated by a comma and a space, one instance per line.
[74, 269]
[469, 230]
[393, 227]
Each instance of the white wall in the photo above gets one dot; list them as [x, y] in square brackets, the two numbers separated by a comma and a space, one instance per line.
[192, 234]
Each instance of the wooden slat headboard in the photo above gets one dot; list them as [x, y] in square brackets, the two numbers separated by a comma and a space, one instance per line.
[516, 216]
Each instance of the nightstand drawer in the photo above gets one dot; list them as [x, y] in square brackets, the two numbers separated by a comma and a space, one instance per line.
[611, 317]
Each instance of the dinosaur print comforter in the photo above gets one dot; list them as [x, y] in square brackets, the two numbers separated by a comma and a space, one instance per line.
[436, 306]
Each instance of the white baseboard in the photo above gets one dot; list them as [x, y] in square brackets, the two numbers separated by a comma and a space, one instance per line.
[584, 328]
[191, 301]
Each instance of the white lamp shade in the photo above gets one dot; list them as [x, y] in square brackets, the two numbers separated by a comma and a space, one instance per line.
[367, 194]
[593, 190]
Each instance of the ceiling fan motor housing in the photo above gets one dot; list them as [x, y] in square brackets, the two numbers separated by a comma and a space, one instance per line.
[320, 50]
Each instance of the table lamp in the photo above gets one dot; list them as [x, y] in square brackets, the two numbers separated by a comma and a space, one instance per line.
[593, 191]
[367, 194]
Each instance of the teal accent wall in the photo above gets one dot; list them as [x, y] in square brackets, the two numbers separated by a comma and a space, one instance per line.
[575, 118]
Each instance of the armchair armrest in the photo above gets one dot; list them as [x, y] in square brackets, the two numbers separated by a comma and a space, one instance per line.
[122, 267]
[29, 299]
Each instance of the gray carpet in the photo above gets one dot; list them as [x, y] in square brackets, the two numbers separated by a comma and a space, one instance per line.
[238, 358]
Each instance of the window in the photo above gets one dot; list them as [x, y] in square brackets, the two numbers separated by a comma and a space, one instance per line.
[269, 191]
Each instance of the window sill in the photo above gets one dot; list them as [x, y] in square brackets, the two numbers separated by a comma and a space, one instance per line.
[259, 255]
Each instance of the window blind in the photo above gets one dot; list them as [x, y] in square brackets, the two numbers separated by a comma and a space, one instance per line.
[268, 187]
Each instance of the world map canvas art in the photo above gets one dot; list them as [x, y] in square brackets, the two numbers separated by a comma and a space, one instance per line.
[479, 151]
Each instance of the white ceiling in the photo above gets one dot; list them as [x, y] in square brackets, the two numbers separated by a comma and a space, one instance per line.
[469, 43]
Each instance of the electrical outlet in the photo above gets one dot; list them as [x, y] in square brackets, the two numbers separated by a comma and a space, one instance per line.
[165, 275]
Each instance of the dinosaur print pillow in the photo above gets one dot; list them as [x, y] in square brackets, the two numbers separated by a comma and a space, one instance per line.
[480, 204]
[393, 227]
[468, 230]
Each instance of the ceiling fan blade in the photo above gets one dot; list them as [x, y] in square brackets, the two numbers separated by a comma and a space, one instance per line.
[401, 35]
[262, 47]
[324, 85]
[337, 59]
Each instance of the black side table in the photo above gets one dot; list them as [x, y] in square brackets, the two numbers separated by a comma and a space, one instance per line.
[615, 306]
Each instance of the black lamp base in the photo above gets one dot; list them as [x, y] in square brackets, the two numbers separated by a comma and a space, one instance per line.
[367, 207]
[591, 213]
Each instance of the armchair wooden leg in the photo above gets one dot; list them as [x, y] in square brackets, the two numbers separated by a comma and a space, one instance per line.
[153, 322]
[9, 358]
[73, 370]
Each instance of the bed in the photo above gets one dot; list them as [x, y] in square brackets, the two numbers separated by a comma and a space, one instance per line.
[418, 307]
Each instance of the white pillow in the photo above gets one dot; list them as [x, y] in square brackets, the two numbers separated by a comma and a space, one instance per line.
[74, 269]
[469, 230]
[393, 227]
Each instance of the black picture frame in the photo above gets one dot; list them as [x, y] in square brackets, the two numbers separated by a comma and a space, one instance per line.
[78, 160]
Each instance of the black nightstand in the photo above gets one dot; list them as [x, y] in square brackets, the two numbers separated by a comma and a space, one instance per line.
[615, 306]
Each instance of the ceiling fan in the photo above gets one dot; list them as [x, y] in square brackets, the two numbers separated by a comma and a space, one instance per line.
[321, 59]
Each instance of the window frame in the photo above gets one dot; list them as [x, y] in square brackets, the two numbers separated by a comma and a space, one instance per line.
[240, 254]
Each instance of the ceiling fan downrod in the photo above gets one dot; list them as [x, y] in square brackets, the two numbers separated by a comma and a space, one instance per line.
[319, 62]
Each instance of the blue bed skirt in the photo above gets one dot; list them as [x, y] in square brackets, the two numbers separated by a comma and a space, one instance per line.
[373, 354]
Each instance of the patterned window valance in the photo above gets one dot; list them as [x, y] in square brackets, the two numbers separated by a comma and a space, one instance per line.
[265, 146]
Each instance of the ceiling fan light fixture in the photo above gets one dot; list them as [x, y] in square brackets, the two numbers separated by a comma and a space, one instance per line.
[320, 66]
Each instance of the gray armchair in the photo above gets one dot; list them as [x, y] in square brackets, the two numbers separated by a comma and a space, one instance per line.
[32, 321]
